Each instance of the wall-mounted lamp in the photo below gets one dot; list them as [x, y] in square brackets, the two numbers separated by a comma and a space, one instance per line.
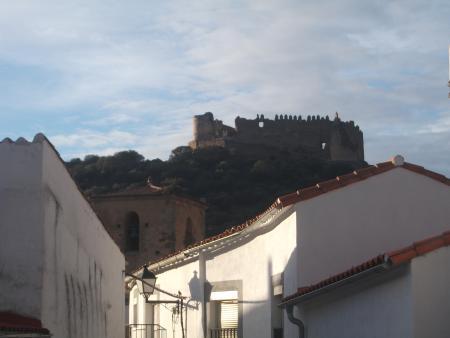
[146, 282]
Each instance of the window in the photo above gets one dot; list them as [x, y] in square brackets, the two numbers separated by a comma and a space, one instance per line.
[188, 233]
[228, 314]
[132, 232]
[225, 315]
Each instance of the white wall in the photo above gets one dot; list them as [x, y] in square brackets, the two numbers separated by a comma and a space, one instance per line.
[431, 294]
[252, 264]
[378, 307]
[21, 215]
[347, 226]
[410, 301]
[63, 267]
[255, 263]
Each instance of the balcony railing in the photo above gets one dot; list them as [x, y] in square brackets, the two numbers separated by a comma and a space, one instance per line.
[145, 331]
[224, 333]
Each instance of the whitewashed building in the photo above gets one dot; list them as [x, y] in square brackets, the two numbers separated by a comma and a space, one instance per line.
[404, 293]
[234, 282]
[60, 272]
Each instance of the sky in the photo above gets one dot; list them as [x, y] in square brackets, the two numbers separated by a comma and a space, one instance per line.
[99, 77]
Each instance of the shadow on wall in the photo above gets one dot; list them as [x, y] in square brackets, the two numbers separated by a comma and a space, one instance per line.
[257, 317]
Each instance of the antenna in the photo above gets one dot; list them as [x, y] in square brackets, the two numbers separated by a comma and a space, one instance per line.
[449, 69]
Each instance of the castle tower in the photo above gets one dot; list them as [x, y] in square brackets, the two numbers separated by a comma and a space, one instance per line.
[203, 126]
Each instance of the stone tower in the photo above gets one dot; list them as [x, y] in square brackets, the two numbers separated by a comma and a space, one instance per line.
[148, 224]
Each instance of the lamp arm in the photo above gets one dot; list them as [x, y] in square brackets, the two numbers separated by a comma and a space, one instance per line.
[154, 287]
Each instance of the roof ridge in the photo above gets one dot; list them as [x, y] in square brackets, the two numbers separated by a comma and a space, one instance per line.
[316, 190]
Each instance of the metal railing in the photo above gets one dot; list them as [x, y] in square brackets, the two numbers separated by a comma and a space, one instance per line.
[145, 331]
[224, 333]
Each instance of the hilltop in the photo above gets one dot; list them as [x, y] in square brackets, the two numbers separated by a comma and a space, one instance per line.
[234, 186]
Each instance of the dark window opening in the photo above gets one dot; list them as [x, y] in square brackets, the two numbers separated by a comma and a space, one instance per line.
[188, 233]
[132, 232]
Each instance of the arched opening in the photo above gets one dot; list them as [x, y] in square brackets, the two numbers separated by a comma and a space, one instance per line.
[188, 234]
[132, 232]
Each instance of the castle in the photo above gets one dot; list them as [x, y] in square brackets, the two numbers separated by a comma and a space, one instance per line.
[315, 136]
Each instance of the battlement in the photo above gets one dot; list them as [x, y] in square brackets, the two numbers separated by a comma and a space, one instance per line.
[319, 136]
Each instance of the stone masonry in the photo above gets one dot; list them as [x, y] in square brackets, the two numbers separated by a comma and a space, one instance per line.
[148, 224]
[315, 136]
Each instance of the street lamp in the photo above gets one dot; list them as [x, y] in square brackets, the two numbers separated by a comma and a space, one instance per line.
[146, 282]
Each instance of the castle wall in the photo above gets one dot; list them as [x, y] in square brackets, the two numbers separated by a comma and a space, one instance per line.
[315, 135]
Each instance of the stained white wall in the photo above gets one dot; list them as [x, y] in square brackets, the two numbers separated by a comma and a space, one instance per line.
[350, 225]
[21, 240]
[251, 263]
[63, 267]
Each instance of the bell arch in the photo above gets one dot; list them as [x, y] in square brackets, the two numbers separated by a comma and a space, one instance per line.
[132, 231]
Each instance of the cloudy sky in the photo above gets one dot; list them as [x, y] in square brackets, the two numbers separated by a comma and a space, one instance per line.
[103, 76]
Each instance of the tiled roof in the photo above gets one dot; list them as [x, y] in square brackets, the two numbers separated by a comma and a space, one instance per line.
[143, 190]
[317, 190]
[356, 176]
[14, 323]
[393, 259]
[148, 190]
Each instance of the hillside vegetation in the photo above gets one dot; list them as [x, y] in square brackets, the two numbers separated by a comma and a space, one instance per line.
[234, 187]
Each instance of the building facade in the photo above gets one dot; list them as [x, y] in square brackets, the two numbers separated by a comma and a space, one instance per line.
[234, 282]
[148, 224]
[61, 273]
[390, 295]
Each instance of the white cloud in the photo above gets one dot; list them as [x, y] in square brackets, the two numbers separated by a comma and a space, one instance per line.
[94, 139]
[145, 67]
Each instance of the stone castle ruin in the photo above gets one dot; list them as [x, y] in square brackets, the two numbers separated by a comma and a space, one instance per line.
[315, 136]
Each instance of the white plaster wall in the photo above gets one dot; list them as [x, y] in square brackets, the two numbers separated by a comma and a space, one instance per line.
[181, 280]
[431, 294]
[253, 263]
[350, 225]
[380, 307]
[21, 240]
[57, 262]
[83, 290]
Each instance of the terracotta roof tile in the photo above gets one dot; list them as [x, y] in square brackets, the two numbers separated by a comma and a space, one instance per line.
[147, 190]
[426, 172]
[317, 190]
[394, 258]
[355, 176]
[11, 322]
